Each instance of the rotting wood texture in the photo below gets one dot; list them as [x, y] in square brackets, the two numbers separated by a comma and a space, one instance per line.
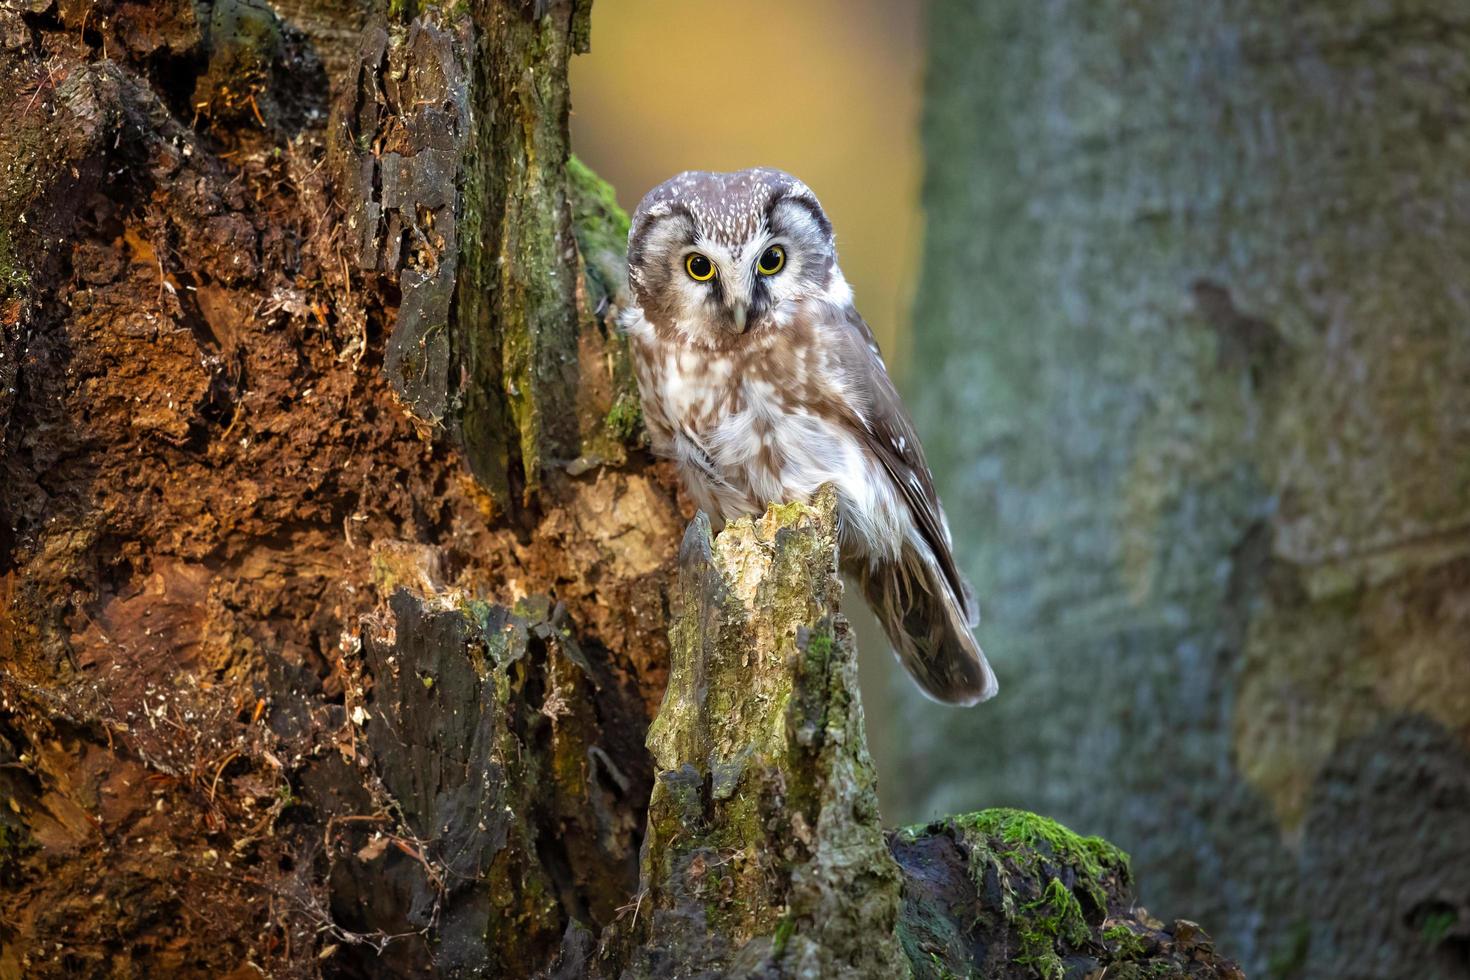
[230, 526]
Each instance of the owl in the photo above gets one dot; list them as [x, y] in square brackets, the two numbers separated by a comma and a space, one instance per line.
[761, 382]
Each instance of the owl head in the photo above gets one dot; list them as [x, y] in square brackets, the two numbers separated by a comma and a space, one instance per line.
[718, 258]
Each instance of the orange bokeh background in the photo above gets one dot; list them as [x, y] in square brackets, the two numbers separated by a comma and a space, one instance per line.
[828, 90]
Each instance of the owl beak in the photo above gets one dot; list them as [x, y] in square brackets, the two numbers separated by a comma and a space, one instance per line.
[737, 313]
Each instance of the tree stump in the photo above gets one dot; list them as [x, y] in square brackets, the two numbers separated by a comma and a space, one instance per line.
[764, 854]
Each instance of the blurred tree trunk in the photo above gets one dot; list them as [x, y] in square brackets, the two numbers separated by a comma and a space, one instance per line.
[1195, 281]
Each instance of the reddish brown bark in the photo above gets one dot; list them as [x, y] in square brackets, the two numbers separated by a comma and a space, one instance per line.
[211, 479]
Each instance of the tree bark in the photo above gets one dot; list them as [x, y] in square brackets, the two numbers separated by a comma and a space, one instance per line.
[1194, 273]
[278, 280]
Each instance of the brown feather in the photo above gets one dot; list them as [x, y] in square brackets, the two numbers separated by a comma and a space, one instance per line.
[924, 602]
[929, 636]
[889, 434]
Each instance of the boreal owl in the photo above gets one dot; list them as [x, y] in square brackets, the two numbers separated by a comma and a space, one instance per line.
[762, 382]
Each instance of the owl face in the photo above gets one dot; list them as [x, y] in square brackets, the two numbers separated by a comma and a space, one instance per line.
[719, 259]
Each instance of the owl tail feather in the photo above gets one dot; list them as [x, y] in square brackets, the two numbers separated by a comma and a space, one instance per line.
[929, 629]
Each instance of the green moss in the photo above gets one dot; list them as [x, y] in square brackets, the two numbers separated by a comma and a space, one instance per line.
[594, 202]
[601, 228]
[941, 969]
[1028, 839]
[1437, 926]
[625, 418]
[1057, 914]
[784, 929]
[1046, 879]
[1043, 925]
[1092, 856]
[1125, 943]
[819, 647]
[516, 312]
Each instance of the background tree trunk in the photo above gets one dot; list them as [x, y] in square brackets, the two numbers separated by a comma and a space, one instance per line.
[1194, 281]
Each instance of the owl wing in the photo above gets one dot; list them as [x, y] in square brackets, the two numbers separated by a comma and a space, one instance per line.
[887, 431]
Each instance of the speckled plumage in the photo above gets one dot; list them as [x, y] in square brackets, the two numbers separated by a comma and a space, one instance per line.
[762, 387]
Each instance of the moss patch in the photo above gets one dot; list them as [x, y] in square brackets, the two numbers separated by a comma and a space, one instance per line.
[613, 418]
[1044, 888]
[601, 228]
[1124, 943]
[1092, 855]
[1045, 924]
[625, 418]
[1029, 851]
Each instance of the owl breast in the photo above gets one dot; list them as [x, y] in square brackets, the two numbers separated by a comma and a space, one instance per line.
[755, 427]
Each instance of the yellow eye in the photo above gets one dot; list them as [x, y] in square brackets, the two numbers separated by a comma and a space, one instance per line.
[700, 268]
[771, 261]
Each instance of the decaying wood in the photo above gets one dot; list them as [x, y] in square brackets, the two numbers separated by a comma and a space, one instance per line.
[763, 851]
[216, 479]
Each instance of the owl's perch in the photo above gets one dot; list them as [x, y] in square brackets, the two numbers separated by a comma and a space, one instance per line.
[764, 854]
[763, 850]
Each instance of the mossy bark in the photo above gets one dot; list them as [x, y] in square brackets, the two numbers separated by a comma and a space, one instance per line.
[763, 852]
[1194, 275]
[454, 152]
